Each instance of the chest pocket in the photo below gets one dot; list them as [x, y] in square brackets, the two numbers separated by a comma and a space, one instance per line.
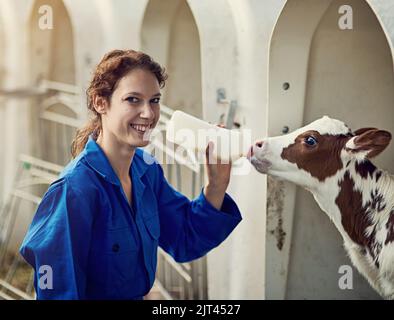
[120, 241]
[113, 257]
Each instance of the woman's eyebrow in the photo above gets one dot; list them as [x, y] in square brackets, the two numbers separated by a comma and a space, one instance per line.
[141, 95]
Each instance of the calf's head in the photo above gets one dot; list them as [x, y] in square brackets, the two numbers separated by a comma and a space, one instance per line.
[320, 150]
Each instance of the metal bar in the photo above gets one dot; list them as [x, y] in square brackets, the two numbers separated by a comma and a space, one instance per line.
[5, 229]
[12, 269]
[204, 279]
[30, 182]
[30, 286]
[59, 118]
[187, 266]
[5, 209]
[22, 93]
[175, 266]
[178, 176]
[64, 99]
[10, 226]
[43, 175]
[166, 110]
[194, 176]
[164, 118]
[64, 143]
[5, 296]
[169, 172]
[61, 99]
[181, 289]
[3, 220]
[231, 114]
[201, 175]
[55, 138]
[59, 86]
[196, 287]
[190, 290]
[200, 282]
[41, 163]
[167, 275]
[163, 291]
[26, 196]
[43, 139]
[14, 290]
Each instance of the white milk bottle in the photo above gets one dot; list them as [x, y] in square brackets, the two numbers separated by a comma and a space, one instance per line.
[194, 134]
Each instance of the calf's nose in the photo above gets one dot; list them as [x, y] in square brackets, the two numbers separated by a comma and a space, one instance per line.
[258, 144]
[254, 147]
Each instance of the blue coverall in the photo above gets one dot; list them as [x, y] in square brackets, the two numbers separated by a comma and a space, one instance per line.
[99, 247]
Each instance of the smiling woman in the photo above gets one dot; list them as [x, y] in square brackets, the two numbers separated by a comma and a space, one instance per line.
[99, 225]
[115, 72]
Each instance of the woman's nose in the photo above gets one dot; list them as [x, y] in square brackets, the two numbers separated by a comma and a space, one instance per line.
[147, 111]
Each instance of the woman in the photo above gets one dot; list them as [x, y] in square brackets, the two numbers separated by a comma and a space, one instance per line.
[99, 225]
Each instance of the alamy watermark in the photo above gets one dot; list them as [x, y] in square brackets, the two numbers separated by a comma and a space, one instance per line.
[45, 281]
[345, 21]
[45, 21]
[345, 282]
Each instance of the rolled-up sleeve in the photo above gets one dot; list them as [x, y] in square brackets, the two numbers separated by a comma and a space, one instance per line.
[189, 229]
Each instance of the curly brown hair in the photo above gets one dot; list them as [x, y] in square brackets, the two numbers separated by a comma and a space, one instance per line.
[114, 66]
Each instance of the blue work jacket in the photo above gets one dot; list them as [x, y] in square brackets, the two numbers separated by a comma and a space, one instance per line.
[87, 242]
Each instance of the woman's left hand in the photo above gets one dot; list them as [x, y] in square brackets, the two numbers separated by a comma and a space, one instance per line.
[218, 177]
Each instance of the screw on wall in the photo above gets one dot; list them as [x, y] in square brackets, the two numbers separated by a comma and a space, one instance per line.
[285, 86]
[285, 129]
[221, 96]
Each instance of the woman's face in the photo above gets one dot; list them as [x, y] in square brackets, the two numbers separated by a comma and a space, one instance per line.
[134, 108]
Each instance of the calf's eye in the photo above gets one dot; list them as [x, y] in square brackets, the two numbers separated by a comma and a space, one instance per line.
[310, 141]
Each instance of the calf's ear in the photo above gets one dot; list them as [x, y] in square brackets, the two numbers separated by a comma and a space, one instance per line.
[369, 142]
[362, 130]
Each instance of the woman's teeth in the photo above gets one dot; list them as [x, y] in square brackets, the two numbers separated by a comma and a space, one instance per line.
[140, 128]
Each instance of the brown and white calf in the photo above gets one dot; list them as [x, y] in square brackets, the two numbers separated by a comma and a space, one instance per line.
[332, 162]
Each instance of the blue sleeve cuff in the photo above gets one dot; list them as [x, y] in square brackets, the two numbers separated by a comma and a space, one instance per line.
[228, 209]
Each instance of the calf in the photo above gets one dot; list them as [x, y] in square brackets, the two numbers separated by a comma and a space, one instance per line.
[332, 162]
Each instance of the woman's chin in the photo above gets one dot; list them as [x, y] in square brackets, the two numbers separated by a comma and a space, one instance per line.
[139, 139]
[138, 143]
[143, 144]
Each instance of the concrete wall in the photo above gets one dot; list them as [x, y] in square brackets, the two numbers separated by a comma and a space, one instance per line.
[2, 101]
[14, 118]
[346, 74]
[14, 121]
[233, 57]
[51, 57]
[350, 75]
